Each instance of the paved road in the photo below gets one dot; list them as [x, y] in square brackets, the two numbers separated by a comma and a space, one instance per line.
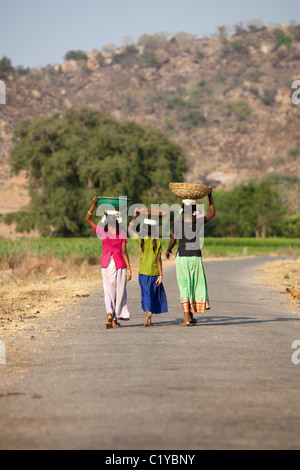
[226, 383]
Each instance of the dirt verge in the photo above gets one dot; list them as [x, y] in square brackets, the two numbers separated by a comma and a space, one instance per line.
[280, 275]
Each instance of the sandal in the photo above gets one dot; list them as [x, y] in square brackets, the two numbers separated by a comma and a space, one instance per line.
[115, 324]
[184, 323]
[109, 322]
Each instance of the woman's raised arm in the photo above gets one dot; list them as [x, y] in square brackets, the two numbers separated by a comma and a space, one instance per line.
[90, 213]
[212, 209]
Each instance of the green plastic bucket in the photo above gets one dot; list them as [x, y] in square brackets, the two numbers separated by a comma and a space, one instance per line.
[117, 202]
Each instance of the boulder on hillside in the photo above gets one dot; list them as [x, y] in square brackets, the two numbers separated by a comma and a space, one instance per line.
[69, 66]
[36, 94]
[92, 64]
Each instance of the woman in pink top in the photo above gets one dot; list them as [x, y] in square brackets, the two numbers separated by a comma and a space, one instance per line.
[115, 267]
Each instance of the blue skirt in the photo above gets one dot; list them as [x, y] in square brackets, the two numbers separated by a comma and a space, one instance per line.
[154, 298]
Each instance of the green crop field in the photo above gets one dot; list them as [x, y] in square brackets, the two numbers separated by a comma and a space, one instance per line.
[65, 248]
[252, 246]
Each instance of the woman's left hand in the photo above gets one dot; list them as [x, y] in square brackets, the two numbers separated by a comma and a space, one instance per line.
[129, 275]
[159, 280]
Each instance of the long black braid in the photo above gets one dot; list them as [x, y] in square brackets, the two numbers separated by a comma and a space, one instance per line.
[111, 220]
[148, 232]
[194, 217]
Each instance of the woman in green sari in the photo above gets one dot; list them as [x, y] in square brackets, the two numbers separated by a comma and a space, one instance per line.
[190, 272]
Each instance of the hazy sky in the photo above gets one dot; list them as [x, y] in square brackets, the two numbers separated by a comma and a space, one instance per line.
[40, 32]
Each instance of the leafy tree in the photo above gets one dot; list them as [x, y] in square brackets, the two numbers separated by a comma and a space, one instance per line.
[149, 59]
[75, 55]
[240, 47]
[282, 38]
[128, 58]
[290, 226]
[72, 156]
[246, 211]
[255, 25]
[5, 67]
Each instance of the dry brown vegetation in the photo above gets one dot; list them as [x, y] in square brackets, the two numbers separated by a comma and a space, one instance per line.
[281, 274]
[37, 288]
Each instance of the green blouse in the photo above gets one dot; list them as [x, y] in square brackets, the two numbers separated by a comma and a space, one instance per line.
[148, 263]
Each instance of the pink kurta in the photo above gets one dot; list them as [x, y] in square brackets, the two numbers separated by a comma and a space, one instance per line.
[114, 274]
[112, 245]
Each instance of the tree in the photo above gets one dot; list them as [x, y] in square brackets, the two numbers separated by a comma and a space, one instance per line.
[5, 67]
[72, 156]
[255, 25]
[75, 55]
[224, 30]
[282, 38]
[249, 210]
[109, 48]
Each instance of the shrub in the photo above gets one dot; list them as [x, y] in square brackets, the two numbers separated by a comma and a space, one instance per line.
[255, 25]
[149, 59]
[193, 117]
[283, 39]
[128, 57]
[240, 47]
[268, 97]
[294, 152]
[5, 67]
[239, 109]
[75, 55]
[172, 102]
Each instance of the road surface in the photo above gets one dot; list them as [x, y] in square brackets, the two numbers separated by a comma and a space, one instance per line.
[226, 383]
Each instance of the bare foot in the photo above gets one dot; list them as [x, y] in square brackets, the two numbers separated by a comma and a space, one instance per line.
[186, 320]
[148, 321]
[193, 320]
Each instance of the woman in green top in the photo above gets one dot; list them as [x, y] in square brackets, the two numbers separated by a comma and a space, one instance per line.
[153, 296]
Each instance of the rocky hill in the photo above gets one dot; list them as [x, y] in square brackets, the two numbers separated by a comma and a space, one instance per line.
[226, 100]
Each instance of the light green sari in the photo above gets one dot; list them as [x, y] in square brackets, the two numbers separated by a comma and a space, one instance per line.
[192, 284]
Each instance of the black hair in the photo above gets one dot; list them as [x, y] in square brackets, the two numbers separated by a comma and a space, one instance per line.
[111, 220]
[148, 232]
[191, 212]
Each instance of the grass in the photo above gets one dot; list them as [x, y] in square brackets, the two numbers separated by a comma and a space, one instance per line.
[91, 248]
[255, 246]
[61, 248]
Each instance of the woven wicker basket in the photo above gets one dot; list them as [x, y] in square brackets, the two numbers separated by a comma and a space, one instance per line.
[190, 190]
